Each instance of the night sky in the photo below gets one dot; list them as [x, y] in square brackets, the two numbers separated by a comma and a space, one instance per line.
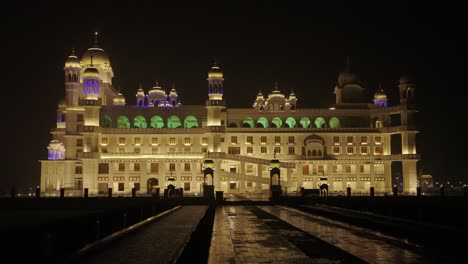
[302, 47]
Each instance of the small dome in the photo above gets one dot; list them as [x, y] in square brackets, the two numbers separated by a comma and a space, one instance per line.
[405, 80]
[72, 61]
[91, 72]
[140, 92]
[274, 163]
[173, 91]
[208, 163]
[346, 78]
[119, 99]
[215, 72]
[380, 94]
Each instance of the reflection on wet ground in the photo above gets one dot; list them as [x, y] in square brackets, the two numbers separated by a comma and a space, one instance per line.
[368, 245]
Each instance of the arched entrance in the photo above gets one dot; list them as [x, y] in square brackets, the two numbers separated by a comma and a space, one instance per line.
[152, 184]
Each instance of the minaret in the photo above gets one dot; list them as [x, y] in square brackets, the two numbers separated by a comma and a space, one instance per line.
[72, 79]
[215, 102]
[380, 98]
[91, 82]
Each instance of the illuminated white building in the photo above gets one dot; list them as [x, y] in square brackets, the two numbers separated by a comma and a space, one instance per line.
[101, 142]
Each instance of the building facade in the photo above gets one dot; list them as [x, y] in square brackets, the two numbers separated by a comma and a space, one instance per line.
[100, 141]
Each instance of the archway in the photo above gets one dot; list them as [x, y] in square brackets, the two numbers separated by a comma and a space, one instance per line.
[152, 184]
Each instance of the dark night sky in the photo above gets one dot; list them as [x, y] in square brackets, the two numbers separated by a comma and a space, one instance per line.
[303, 47]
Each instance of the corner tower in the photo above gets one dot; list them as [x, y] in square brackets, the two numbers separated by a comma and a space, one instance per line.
[215, 103]
[72, 79]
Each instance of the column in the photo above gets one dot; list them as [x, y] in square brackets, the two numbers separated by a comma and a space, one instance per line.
[409, 176]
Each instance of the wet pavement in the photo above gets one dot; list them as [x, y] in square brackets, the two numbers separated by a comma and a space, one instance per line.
[367, 245]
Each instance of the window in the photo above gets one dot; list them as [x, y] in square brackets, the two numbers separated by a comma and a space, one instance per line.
[136, 167]
[249, 140]
[277, 140]
[222, 140]
[172, 141]
[348, 168]
[187, 141]
[364, 150]
[249, 150]
[187, 150]
[121, 166]
[337, 168]
[154, 167]
[154, 141]
[291, 140]
[204, 150]
[378, 140]
[336, 141]
[305, 169]
[250, 168]
[234, 150]
[336, 150]
[121, 150]
[103, 168]
[172, 150]
[320, 169]
[187, 186]
[154, 150]
[79, 142]
[137, 141]
[104, 150]
[263, 140]
[121, 141]
[204, 141]
[350, 150]
[277, 150]
[187, 167]
[364, 168]
[263, 150]
[378, 150]
[136, 150]
[79, 118]
[249, 184]
[364, 140]
[104, 141]
[234, 140]
[79, 170]
[378, 168]
[171, 166]
[350, 140]
[121, 186]
[291, 150]
[136, 185]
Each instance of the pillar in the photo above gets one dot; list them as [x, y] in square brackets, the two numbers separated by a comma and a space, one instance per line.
[409, 176]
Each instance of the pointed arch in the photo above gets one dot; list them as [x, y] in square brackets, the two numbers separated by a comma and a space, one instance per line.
[140, 122]
[157, 122]
[106, 122]
[291, 122]
[262, 122]
[334, 122]
[122, 122]
[277, 122]
[248, 122]
[173, 122]
[319, 122]
[190, 122]
[305, 122]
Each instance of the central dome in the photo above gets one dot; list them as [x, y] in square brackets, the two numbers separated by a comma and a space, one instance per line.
[346, 78]
[98, 56]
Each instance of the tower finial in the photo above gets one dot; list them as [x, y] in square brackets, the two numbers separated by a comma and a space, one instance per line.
[348, 64]
[173, 85]
[92, 61]
[96, 42]
[276, 86]
[73, 51]
[214, 62]
[157, 83]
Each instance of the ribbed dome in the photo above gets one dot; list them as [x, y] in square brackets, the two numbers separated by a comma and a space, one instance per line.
[140, 92]
[72, 61]
[119, 98]
[215, 72]
[346, 78]
[91, 72]
[380, 94]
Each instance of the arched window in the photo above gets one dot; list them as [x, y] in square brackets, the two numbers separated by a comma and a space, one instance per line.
[277, 122]
[248, 122]
[140, 122]
[263, 122]
[190, 122]
[319, 122]
[334, 122]
[106, 122]
[305, 122]
[122, 122]
[314, 152]
[157, 122]
[291, 122]
[173, 122]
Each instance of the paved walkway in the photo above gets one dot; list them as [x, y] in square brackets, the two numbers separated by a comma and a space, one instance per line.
[249, 240]
[161, 241]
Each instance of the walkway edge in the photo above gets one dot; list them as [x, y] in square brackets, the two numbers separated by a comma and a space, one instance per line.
[105, 240]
